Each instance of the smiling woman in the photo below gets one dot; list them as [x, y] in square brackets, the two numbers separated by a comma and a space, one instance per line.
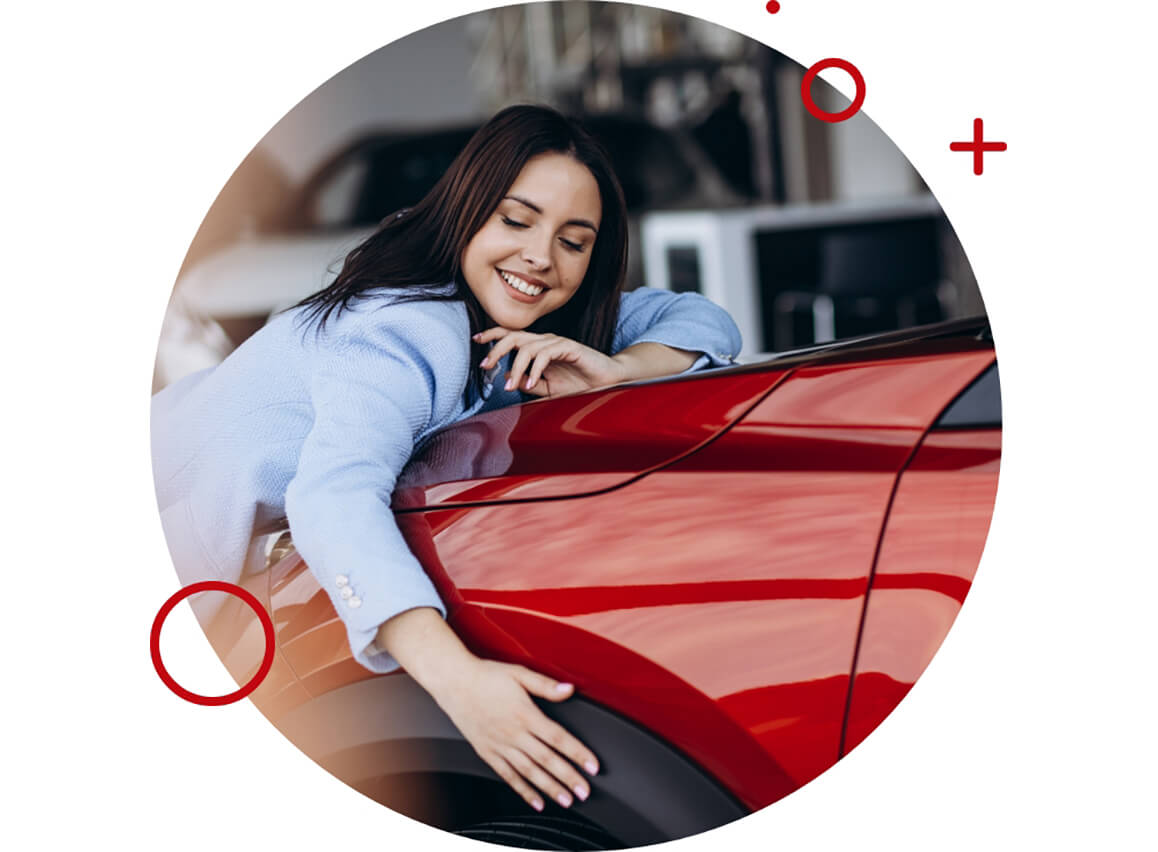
[531, 255]
[521, 246]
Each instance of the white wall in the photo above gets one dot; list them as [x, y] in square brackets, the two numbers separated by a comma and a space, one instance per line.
[866, 164]
[420, 80]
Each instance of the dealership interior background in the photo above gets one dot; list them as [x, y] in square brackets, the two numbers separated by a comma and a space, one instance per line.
[805, 230]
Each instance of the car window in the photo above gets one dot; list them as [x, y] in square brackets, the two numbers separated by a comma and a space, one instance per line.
[401, 172]
[978, 406]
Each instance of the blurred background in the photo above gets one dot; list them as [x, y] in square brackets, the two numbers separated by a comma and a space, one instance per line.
[806, 231]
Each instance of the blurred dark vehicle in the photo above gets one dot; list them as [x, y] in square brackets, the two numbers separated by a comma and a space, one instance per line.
[381, 173]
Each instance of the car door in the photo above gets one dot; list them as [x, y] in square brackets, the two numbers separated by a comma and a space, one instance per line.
[929, 553]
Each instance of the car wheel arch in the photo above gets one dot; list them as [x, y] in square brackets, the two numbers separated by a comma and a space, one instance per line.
[646, 791]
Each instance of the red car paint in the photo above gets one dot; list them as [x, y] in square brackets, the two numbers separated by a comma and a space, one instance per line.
[931, 548]
[696, 554]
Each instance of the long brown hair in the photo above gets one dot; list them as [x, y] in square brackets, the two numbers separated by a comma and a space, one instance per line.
[421, 248]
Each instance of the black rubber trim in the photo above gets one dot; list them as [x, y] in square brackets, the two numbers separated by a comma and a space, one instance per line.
[542, 831]
[645, 791]
[977, 407]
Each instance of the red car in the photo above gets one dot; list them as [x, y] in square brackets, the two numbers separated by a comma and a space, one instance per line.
[743, 571]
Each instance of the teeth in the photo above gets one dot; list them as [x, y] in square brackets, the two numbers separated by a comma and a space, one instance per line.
[521, 285]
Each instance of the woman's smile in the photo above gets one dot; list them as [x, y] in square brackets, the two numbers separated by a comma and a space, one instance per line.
[523, 288]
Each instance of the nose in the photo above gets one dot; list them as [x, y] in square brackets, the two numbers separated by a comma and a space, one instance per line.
[537, 252]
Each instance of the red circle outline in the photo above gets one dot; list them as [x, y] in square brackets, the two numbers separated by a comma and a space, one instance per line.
[155, 643]
[806, 90]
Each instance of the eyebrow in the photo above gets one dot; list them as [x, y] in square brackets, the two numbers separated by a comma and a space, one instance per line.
[583, 223]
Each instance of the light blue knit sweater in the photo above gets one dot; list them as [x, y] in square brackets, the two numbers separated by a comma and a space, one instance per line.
[316, 428]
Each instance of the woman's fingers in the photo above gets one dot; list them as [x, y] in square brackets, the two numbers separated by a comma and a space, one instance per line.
[536, 353]
[491, 705]
[529, 351]
[490, 334]
[541, 685]
[558, 738]
[538, 776]
[557, 767]
[505, 771]
[545, 351]
[550, 732]
[500, 350]
[505, 341]
[543, 359]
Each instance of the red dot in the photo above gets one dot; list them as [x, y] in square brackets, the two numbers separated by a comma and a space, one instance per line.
[773, 7]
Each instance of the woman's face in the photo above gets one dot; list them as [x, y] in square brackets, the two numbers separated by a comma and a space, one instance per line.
[531, 255]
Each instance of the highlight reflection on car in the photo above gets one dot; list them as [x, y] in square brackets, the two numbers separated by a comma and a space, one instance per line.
[743, 571]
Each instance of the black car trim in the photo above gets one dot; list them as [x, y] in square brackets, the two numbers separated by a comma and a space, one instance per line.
[976, 407]
[645, 791]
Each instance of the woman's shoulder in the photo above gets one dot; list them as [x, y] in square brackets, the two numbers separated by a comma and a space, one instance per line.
[386, 316]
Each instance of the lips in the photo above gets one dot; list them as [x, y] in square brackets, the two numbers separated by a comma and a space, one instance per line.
[519, 288]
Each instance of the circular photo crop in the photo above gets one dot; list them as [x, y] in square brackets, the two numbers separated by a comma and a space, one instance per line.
[586, 420]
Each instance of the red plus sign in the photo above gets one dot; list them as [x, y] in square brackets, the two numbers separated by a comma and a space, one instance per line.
[978, 146]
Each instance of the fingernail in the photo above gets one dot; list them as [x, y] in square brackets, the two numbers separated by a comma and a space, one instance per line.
[483, 362]
[564, 800]
[476, 336]
[591, 767]
[562, 687]
[530, 384]
[510, 385]
[537, 804]
[581, 792]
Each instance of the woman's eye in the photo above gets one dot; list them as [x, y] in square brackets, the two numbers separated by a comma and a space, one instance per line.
[572, 246]
[507, 220]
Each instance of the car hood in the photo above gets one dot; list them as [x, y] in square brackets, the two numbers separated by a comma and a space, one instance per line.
[577, 445]
[596, 441]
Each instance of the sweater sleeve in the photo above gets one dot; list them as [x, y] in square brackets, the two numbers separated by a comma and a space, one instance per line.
[374, 392]
[681, 320]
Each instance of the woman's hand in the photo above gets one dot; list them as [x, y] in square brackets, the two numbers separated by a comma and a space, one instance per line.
[553, 365]
[558, 365]
[490, 704]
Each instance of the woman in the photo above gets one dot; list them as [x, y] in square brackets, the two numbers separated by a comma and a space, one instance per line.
[520, 247]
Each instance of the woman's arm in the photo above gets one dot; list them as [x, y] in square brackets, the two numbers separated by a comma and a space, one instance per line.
[373, 392]
[651, 360]
[659, 333]
[685, 321]
[489, 703]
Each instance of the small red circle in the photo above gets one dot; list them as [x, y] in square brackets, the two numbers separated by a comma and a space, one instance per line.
[773, 7]
[212, 586]
[806, 90]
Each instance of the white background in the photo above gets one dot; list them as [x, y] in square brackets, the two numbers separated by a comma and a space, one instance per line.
[1032, 728]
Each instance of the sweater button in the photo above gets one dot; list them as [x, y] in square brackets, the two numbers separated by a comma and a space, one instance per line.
[354, 602]
[341, 580]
